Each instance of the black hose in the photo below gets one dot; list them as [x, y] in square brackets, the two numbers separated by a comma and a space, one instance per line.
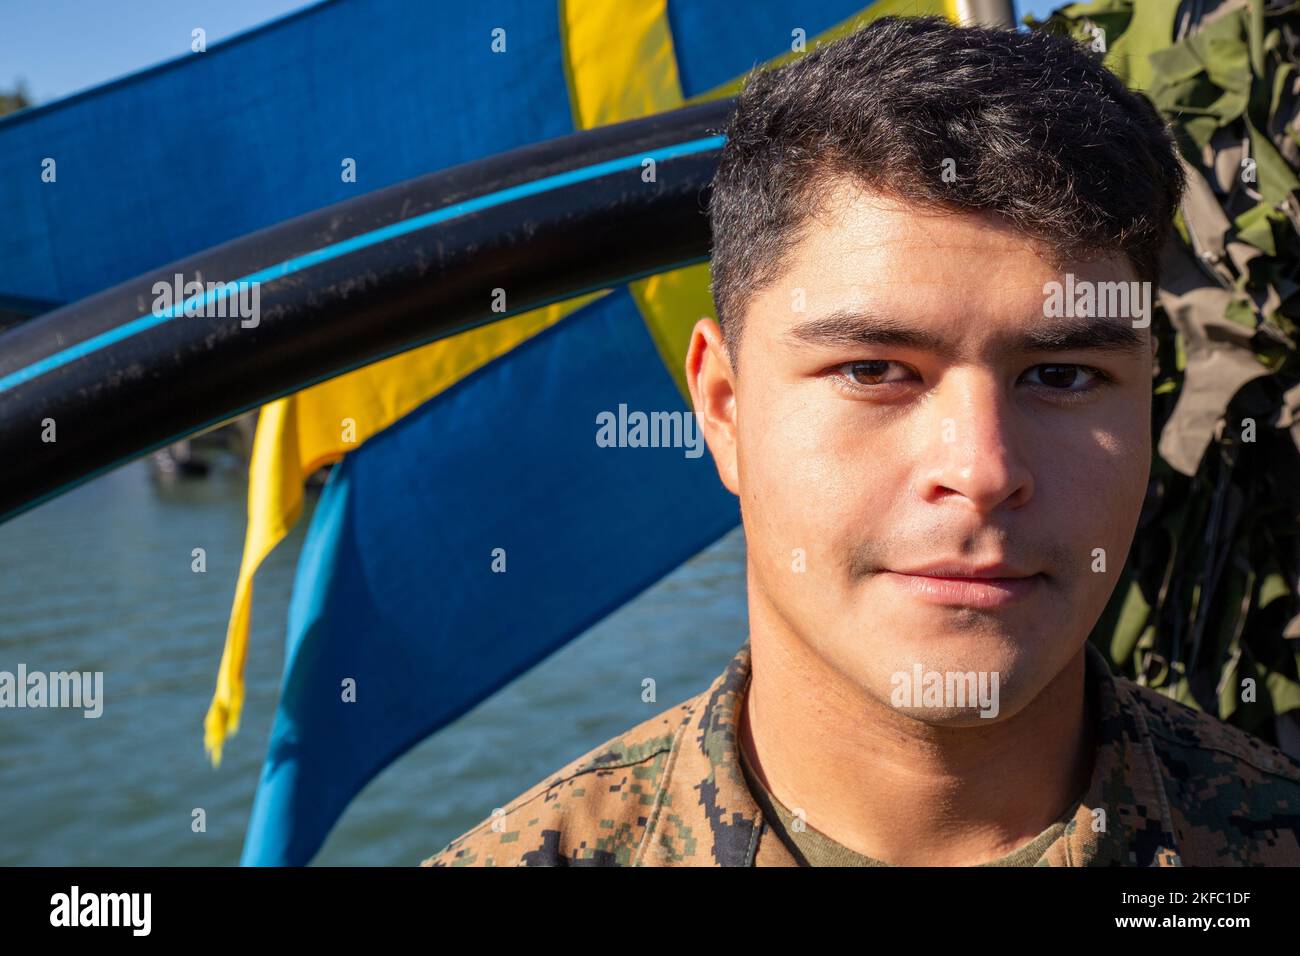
[119, 375]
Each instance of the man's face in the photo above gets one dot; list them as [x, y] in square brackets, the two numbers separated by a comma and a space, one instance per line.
[904, 417]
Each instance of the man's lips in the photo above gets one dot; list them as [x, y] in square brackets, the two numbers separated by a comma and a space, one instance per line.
[964, 585]
[956, 568]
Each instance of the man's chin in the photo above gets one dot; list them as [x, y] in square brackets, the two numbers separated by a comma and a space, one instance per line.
[961, 677]
[954, 717]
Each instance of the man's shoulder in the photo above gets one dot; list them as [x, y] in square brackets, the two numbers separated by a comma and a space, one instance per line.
[1234, 797]
[592, 812]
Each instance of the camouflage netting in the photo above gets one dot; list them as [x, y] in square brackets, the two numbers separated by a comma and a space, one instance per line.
[1208, 598]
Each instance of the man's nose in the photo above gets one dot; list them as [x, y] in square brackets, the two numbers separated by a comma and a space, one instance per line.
[975, 447]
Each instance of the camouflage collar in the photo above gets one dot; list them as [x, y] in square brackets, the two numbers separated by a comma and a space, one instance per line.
[704, 797]
[1124, 819]
[705, 803]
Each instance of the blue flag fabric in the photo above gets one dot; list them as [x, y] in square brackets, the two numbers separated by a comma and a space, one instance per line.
[214, 145]
[396, 585]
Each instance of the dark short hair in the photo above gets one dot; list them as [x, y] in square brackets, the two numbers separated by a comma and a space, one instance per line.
[1040, 132]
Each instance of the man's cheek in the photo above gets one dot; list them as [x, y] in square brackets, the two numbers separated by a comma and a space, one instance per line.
[791, 525]
[795, 516]
[1095, 514]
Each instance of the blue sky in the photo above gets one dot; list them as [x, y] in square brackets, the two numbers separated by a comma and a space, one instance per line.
[1039, 8]
[60, 47]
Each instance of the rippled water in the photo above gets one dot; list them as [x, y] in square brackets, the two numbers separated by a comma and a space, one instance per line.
[101, 579]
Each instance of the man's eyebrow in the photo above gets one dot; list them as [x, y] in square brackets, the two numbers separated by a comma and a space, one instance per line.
[849, 327]
[858, 327]
[1083, 335]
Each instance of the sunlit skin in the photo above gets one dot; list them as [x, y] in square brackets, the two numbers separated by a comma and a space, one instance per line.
[868, 456]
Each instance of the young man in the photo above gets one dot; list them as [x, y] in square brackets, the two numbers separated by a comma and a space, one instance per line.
[934, 406]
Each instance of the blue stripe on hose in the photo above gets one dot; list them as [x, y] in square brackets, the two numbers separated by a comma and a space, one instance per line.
[105, 469]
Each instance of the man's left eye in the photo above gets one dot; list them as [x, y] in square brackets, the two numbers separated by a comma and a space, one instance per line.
[1066, 376]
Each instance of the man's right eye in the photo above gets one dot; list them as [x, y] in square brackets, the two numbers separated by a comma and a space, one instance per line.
[868, 373]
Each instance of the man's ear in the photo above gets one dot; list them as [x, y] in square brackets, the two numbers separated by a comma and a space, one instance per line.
[713, 393]
[1155, 353]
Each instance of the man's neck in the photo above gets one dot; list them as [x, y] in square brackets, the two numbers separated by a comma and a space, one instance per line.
[900, 790]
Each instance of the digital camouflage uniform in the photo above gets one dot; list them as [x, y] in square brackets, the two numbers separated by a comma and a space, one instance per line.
[1178, 787]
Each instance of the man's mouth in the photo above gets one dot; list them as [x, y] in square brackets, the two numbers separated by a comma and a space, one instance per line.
[955, 583]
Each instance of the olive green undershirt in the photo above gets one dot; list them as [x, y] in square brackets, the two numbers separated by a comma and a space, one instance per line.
[814, 848]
